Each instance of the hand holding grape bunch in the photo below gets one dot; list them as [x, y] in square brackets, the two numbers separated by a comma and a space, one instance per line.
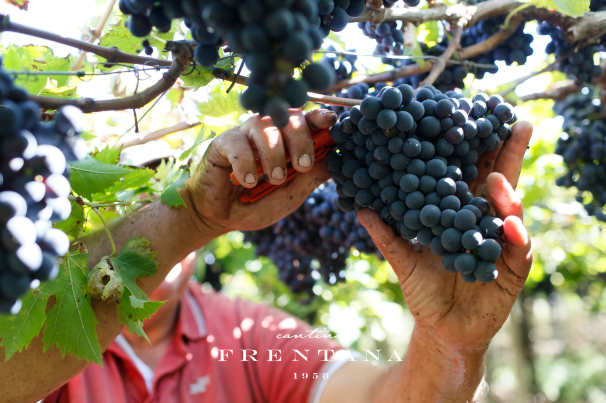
[456, 315]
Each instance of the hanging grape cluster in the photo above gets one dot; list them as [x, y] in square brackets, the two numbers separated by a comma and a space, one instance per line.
[34, 190]
[410, 157]
[577, 62]
[273, 37]
[313, 242]
[515, 49]
[583, 149]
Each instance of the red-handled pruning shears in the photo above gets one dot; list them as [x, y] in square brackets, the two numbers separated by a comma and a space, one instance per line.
[322, 144]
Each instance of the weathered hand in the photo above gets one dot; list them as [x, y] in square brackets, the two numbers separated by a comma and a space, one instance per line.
[460, 316]
[216, 200]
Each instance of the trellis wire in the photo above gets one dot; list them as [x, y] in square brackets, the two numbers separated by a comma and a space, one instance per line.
[450, 61]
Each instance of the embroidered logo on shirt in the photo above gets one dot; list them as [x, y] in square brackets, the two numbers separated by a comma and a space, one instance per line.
[200, 385]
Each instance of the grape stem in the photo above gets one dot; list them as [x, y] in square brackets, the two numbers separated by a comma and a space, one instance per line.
[440, 63]
[109, 235]
[80, 201]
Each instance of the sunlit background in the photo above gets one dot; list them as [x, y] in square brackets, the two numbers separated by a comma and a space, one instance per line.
[552, 347]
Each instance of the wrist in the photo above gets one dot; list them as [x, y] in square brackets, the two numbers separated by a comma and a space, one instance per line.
[204, 227]
[438, 371]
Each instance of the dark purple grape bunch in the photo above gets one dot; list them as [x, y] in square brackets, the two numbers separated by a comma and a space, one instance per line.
[390, 39]
[514, 49]
[578, 62]
[343, 66]
[273, 37]
[146, 14]
[34, 190]
[313, 242]
[583, 150]
[411, 156]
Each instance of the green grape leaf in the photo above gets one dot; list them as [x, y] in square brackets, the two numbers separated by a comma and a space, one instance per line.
[571, 8]
[17, 331]
[107, 155]
[71, 323]
[430, 32]
[171, 195]
[74, 222]
[221, 104]
[134, 261]
[199, 139]
[87, 136]
[136, 179]
[200, 77]
[39, 58]
[132, 311]
[120, 37]
[90, 176]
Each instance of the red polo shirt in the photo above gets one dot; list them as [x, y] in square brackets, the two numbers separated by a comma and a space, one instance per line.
[191, 370]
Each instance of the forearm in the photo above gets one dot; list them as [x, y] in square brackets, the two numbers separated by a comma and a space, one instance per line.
[173, 233]
[431, 372]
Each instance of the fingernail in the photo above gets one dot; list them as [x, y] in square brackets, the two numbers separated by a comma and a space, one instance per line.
[277, 173]
[305, 160]
[249, 178]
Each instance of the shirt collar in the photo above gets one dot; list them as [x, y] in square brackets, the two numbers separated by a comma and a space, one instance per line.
[191, 323]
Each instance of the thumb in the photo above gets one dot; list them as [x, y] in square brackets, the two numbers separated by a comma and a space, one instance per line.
[517, 252]
[394, 248]
[319, 119]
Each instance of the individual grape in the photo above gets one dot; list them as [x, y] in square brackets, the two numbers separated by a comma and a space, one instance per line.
[139, 25]
[451, 240]
[448, 261]
[427, 184]
[490, 250]
[389, 194]
[411, 147]
[318, 77]
[450, 202]
[468, 278]
[391, 98]
[436, 168]
[471, 240]
[415, 200]
[412, 219]
[482, 204]
[416, 167]
[397, 209]
[425, 236]
[436, 247]
[465, 263]
[486, 271]
[409, 183]
[430, 216]
[491, 227]
[464, 220]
